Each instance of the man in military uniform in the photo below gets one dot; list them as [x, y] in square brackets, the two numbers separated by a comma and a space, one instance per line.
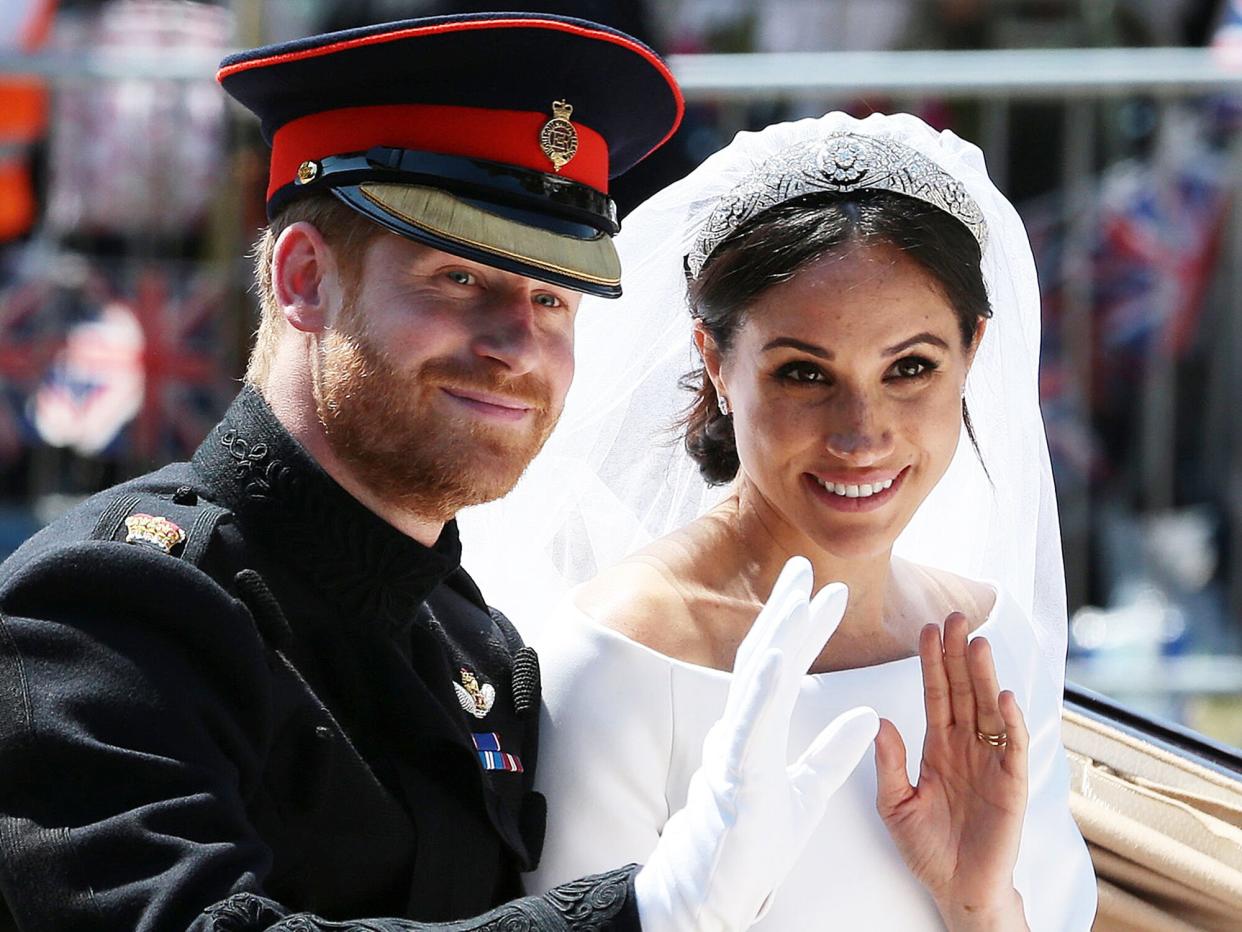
[257, 690]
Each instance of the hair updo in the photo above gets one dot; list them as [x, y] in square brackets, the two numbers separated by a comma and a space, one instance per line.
[773, 246]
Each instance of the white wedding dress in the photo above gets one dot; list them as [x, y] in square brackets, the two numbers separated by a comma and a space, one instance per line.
[623, 725]
[623, 729]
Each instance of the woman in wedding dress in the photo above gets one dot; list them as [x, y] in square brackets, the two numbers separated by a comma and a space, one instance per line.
[859, 298]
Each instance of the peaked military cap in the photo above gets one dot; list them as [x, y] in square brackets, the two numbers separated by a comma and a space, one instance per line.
[488, 136]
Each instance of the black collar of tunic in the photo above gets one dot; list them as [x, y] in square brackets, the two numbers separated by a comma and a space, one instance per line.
[371, 571]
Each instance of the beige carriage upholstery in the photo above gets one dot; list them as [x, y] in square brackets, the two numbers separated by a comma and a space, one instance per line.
[1165, 831]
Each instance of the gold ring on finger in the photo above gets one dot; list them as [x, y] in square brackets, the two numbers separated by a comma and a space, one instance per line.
[998, 740]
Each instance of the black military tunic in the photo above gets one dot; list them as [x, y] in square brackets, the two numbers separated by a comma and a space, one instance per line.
[296, 715]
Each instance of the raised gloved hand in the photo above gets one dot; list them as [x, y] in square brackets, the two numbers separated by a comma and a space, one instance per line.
[748, 812]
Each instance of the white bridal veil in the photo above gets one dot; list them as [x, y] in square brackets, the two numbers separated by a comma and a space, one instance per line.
[614, 475]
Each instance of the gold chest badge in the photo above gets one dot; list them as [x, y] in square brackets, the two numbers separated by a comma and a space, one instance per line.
[558, 139]
[475, 697]
[153, 530]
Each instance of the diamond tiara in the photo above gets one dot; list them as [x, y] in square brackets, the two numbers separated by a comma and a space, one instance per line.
[839, 163]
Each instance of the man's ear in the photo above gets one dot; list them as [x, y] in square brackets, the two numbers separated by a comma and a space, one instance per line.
[305, 278]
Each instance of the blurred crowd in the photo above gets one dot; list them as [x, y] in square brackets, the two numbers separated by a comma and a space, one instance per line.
[127, 203]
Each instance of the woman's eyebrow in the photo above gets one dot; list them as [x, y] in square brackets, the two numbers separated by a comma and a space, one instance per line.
[798, 345]
[925, 337]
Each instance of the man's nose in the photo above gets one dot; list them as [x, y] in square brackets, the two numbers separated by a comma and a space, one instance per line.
[859, 432]
[506, 333]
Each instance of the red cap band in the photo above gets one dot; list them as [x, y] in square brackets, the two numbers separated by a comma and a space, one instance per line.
[509, 136]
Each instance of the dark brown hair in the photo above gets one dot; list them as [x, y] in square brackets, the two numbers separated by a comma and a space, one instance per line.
[772, 247]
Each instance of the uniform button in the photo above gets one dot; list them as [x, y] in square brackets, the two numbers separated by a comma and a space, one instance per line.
[185, 496]
[323, 732]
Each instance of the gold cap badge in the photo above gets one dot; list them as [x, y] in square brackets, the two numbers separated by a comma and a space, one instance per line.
[475, 698]
[307, 172]
[558, 139]
[153, 530]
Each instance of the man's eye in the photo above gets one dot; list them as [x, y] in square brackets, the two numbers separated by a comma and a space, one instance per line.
[548, 300]
[460, 277]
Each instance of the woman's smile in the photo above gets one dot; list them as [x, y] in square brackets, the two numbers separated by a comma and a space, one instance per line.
[856, 494]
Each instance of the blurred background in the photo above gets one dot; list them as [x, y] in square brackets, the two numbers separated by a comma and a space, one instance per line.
[131, 191]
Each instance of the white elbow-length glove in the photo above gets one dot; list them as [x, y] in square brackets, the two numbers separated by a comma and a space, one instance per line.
[749, 813]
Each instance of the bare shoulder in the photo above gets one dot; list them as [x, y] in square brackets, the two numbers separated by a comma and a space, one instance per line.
[948, 592]
[649, 598]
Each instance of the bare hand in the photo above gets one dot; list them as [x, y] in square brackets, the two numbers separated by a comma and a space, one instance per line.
[958, 830]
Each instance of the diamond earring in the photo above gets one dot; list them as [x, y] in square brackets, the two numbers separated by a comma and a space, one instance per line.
[723, 402]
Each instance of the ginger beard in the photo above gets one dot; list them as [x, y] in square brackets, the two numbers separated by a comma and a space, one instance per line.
[397, 435]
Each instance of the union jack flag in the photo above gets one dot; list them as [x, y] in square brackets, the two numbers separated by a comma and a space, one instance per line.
[122, 359]
[1155, 233]
[31, 312]
[189, 360]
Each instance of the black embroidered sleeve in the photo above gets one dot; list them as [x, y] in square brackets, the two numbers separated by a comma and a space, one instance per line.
[599, 903]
